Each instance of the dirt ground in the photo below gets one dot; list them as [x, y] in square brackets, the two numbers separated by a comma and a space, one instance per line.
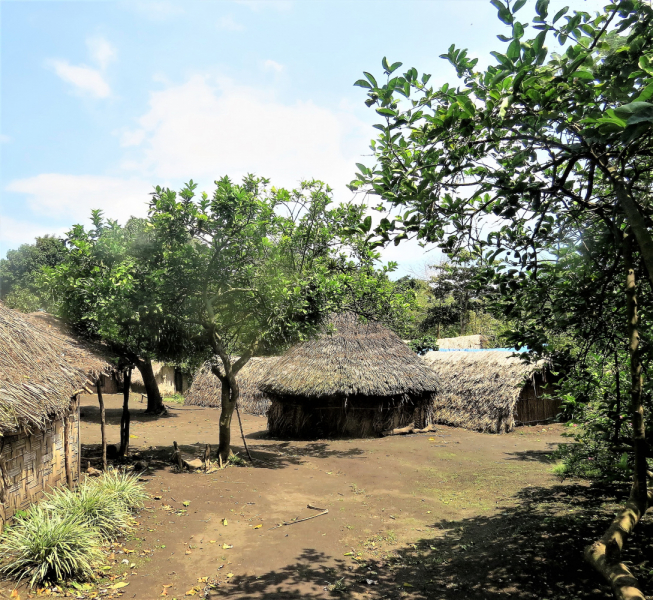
[452, 514]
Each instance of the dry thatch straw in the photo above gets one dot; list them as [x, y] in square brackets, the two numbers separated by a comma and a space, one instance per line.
[358, 380]
[37, 376]
[486, 390]
[91, 357]
[464, 342]
[206, 388]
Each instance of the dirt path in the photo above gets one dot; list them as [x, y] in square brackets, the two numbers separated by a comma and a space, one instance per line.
[451, 514]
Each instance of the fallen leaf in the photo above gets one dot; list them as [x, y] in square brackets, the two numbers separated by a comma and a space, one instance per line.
[120, 584]
[133, 436]
[186, 502]
[188, 552]
[191, 592]
[211, 541]
[224, 522]
[226, 546]
[14, 594]
[407, 585]
[126, 551]
[157, 497]
[202, 580]
[258, 526]
[349, 554]
[230, 574]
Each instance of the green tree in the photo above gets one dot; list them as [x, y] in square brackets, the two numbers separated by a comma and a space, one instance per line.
[263, 268]
[526, 153]
[111, 287]
[19, 273]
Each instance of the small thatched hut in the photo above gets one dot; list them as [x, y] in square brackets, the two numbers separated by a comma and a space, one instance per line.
[42, 372]
[464, 342]
[206, 388]
[358, 380]
[171, 379]
[490, 390]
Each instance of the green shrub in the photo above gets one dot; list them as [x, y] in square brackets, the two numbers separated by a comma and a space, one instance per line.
[236, 460]
[48, 546]
[121, 486]
[93, 506]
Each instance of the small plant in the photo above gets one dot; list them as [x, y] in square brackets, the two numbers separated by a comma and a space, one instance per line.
[45, 546]
[237, 461]
[176, 398]
[122, 486]
[92, 506]
[338, 587]
[560, 470]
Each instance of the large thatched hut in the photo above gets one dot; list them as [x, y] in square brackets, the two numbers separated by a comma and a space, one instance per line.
[206, 388]
[359, 379]
[490, 390]
[42, 372]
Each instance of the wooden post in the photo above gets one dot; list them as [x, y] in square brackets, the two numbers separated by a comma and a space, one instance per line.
[103, 424]
[124, 421]
[177, 457]
[66, 452]
[79, 440]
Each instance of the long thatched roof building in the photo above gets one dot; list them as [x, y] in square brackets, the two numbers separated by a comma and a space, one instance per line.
[42, 372]
[464, 342]
[206, 388]
[490, 391]
[357, 379]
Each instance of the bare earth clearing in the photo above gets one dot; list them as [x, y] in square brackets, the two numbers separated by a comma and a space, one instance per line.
[453, 514]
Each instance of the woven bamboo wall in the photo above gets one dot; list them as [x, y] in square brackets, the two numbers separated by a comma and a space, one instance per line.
[32, 463]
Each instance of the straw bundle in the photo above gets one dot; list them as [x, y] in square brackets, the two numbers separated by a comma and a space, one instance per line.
[206, 388]
[359, 380]
[37, 377]
[464, 342]
[480, 390]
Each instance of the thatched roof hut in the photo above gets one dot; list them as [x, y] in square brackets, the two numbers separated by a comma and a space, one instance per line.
[464, 342]
[42, 370]
[206, 389]
[490, 391]
[359, 379]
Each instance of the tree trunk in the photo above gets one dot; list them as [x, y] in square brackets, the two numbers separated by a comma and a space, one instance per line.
[154, 400]
[103, 424]
[617, 419]
[229, 399]
[124, 420]
[605, 554]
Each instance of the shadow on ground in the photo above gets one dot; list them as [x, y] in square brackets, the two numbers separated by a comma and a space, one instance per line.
[532, 550]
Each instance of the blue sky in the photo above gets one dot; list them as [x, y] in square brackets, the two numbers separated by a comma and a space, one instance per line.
[100, 101]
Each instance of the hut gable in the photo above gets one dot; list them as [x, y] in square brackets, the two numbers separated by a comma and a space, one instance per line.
[206, 388]
[464, 342]
[356, 359]
[484, 390]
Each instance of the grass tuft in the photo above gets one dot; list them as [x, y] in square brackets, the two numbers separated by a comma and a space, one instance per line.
[560, 469]
[92, 506]
[45, 546]
[123, 487]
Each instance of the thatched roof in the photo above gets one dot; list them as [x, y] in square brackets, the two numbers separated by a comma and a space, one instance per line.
[357, 359]
[93, 358]
[464, 342]
[206, 388]
[37, 378]
[479, 390]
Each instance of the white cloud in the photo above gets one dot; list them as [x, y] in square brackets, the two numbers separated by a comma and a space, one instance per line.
[72, 197]
[101, 51]
[257, 5]
[132, 138]
[14, 232]
[227, 23]
[205, 129]
[84, 79]
[4, 139]
[271, 65]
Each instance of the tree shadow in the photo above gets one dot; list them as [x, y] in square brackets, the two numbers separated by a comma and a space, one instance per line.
[91, 414]
[542, 456]
[531, 550]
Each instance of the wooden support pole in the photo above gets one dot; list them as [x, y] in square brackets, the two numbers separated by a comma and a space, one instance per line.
[124, 421]
[103, 424]
[66, 452]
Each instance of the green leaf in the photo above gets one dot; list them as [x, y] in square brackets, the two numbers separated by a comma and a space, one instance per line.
[370, 78]
[363, 83]
[560, 13]
[387, 112]
[367, 224]
[542, 8]
[517, 5]
[504, 14]
[646, 93]
[645, 64]
[384, 64]
[395, 66]
[514, 50]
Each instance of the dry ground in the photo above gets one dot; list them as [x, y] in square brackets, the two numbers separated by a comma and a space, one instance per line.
[449, 515]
